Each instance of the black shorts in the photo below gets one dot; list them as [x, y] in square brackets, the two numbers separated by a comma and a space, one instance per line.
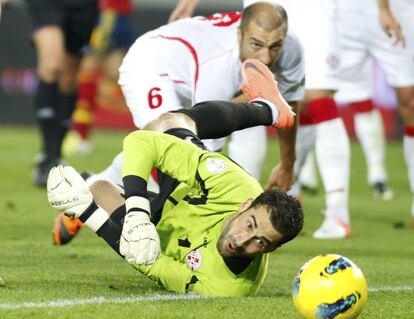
[76, 18]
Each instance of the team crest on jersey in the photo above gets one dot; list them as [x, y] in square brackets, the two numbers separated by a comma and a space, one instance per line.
[215, 165]
[193, 259]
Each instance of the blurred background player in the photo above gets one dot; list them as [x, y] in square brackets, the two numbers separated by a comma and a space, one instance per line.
[362, 36]
[354, 34]
[111, 38]
[60, 29]
[369, 130]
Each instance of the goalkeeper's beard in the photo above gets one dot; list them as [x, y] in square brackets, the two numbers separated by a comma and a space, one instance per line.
[226, 237]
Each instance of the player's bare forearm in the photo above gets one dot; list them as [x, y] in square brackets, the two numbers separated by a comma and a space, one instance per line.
[287, 138]
[383, 4]
[184, 9]
[282, 175]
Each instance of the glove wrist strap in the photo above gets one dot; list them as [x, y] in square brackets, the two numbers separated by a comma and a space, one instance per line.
[137, 203]
[94, 217]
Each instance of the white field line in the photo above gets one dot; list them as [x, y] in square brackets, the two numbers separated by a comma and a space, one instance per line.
[134, 299]
[60, 303]
[391, 288]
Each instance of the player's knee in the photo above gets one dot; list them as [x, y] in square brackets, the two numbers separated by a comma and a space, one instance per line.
[406, 107]
[407, 101]
[99, 187]
[49, 69]
[167, 121]
[67, 82]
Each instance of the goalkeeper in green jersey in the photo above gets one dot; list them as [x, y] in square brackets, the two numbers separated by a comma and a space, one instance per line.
[211, 227]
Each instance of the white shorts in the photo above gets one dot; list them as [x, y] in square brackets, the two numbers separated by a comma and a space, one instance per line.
[362, 36]
[148, 91]
[358, 89]
[148, 88]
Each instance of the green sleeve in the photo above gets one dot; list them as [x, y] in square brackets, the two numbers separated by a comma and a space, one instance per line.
[170, 273]
[144, 150]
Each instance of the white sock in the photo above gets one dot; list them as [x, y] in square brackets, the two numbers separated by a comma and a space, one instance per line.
[248, 148]
[305, 141]
[333, 156]
[408, 145]
[337, 206]
[369, 129]
[308, 175]
[273, 108]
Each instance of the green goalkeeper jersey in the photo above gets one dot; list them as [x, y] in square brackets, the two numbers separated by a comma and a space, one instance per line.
[211, 188]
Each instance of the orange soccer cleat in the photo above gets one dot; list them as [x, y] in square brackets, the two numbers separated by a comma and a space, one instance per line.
[259, 83]
[65, 229]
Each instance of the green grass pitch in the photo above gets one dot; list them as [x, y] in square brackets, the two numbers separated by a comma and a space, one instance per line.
[87, 280]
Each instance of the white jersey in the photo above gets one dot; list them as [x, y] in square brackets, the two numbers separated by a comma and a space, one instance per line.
[196, 59]
[200, 55]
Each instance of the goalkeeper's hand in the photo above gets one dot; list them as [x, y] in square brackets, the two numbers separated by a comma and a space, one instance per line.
[67, 191]
[140, 243]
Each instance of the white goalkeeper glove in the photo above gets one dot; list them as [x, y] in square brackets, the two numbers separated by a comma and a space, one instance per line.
[67, 191]
[140, 243]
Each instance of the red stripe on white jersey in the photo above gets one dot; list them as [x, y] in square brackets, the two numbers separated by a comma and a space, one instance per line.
[175, 81]
[193, 53]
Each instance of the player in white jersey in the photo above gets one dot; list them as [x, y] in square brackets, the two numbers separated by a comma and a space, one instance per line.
[248, 147]
[361, 36]
[195, 60]
[199, 59]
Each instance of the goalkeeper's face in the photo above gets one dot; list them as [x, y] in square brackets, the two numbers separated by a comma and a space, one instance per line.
[248, 233]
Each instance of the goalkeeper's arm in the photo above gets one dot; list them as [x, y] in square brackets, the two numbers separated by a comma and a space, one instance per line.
[144, 150]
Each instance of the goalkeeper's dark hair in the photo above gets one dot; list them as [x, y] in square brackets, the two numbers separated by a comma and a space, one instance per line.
[268, 16]
[286, 214]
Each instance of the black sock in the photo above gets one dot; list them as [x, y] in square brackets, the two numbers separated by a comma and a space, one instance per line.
[66, 108]
[216, 119]
[46, 113]
[118, 215]
[110, 231]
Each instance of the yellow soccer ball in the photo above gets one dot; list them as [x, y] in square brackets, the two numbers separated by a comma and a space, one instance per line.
[330, 287]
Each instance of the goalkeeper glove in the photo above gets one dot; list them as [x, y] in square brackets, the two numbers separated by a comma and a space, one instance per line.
[67, 191]
[140, 243]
